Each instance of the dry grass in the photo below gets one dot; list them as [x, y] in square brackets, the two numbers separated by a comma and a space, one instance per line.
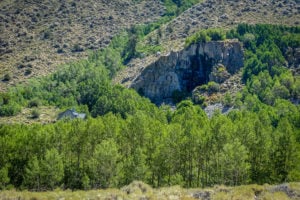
[47, 115]
[140, 191]
[274, 196]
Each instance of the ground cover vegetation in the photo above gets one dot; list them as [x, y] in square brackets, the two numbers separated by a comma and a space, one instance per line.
[127, 138]
[138, 190]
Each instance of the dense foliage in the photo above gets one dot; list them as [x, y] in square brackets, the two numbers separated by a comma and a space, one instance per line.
[132, 139]
[206, 35]
[268, 52]
[161, 148]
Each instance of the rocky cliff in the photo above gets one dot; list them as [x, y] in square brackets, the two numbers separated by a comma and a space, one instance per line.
[188, 68]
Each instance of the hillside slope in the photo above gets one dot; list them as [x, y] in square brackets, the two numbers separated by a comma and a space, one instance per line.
[38, 35]
[127, 138]
[211, 14]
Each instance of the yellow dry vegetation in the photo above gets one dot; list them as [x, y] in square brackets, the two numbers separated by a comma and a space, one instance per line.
[139, 190]
[47, 114]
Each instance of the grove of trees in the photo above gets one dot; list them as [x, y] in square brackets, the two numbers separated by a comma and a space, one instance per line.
[160, 147]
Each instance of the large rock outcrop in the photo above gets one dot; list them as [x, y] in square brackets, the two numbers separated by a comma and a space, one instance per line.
[186, 69]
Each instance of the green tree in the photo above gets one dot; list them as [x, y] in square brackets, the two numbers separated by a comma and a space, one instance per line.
[4, 178]
[104, 164]
[259, 150]
[280, 91]
[130, 49]
[32, 178]
[285, 155]
[52, 169]
[134, 166]
[234, 161]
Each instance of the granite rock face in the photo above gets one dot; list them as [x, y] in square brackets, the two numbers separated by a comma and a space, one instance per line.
[188, 68]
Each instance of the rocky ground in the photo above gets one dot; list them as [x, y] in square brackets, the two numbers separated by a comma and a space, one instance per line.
[215, 102]
[38, 35]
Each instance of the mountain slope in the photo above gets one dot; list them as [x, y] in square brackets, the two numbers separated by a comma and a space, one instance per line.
[211, 14]
[38, 35]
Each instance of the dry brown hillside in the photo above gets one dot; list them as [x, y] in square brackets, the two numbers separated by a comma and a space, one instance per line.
[38, 35]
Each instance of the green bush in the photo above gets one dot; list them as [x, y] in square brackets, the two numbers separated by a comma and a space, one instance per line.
[77, 48]
[35, 114]
[213, 87]
[227, 100]
[175, 7]
[28, 71]
[47, 34]
[4, 178]
[248, 38]
[203, 88]
[10, 109]
[216, 34]
[203, 36]
[7, 77]
[34, 103]
[198, 99]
